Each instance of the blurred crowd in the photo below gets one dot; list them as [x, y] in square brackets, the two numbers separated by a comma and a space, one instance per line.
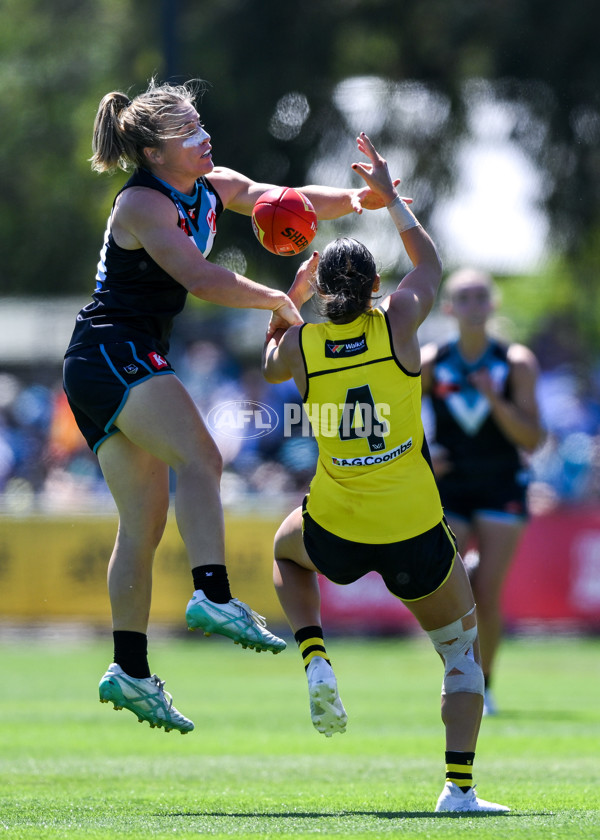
[45, 466]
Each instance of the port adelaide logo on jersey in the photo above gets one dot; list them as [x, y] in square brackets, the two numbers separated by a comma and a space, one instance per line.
[345, 348]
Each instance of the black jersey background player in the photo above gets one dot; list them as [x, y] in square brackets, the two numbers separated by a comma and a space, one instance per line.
[483, 395]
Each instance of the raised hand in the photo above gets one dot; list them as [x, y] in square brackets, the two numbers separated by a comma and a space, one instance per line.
[303, 287]
[382, 189]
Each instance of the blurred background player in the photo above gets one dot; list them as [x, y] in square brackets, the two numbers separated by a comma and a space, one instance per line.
[133, 411]
[373, 504]
[483, 396]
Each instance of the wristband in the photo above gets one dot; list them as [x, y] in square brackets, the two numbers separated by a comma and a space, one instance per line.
[402, 215]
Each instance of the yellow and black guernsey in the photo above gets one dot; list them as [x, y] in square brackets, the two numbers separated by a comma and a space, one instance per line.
[373, 482]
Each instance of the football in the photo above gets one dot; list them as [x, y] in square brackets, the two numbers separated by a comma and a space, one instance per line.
[284, 221]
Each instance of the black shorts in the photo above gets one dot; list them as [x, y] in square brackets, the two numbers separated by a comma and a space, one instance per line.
[411, 569]
[504, 496]
[97, 380]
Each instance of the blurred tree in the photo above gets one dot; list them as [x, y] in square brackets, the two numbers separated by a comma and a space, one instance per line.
[279, 101]
[546, 61]
[272, 108]
[57, 59]
[281, 98]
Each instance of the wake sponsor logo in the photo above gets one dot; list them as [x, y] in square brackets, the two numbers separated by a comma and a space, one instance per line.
[348, 347]
[374, 460]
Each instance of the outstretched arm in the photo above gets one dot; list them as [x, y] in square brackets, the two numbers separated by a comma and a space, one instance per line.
[331, 203]
[416, 292]
[239, 193]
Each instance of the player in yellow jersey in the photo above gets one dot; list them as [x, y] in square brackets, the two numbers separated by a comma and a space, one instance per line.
[373, 503]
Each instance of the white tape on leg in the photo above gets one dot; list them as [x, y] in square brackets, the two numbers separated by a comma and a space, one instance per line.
[455, 644]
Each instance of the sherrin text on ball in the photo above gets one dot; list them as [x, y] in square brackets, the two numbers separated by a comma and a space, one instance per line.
[284, 221]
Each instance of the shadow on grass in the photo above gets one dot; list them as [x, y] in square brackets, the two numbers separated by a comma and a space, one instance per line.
[552, 715]
[383, 815]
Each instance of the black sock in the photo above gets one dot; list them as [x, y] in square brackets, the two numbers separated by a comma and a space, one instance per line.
[213, 581]
[311, 644]
[459, 769]
[131, 652]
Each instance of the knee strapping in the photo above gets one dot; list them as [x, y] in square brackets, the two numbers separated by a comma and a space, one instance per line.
[455, 644]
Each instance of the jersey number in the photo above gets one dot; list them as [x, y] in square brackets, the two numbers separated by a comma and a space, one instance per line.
[360, 420]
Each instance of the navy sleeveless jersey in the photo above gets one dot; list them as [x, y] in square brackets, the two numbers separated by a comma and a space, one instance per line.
[134, 296]
[464, 423]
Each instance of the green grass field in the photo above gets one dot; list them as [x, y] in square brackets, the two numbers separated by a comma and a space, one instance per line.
[254, 767]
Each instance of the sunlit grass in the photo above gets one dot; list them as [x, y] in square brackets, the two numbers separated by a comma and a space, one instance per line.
[71, 767]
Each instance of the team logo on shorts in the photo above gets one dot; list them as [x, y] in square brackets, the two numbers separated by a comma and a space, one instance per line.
[157, 361]
[131, 369]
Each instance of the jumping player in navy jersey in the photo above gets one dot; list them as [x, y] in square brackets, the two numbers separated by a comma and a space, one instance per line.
[486, 414]
[132, 409]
